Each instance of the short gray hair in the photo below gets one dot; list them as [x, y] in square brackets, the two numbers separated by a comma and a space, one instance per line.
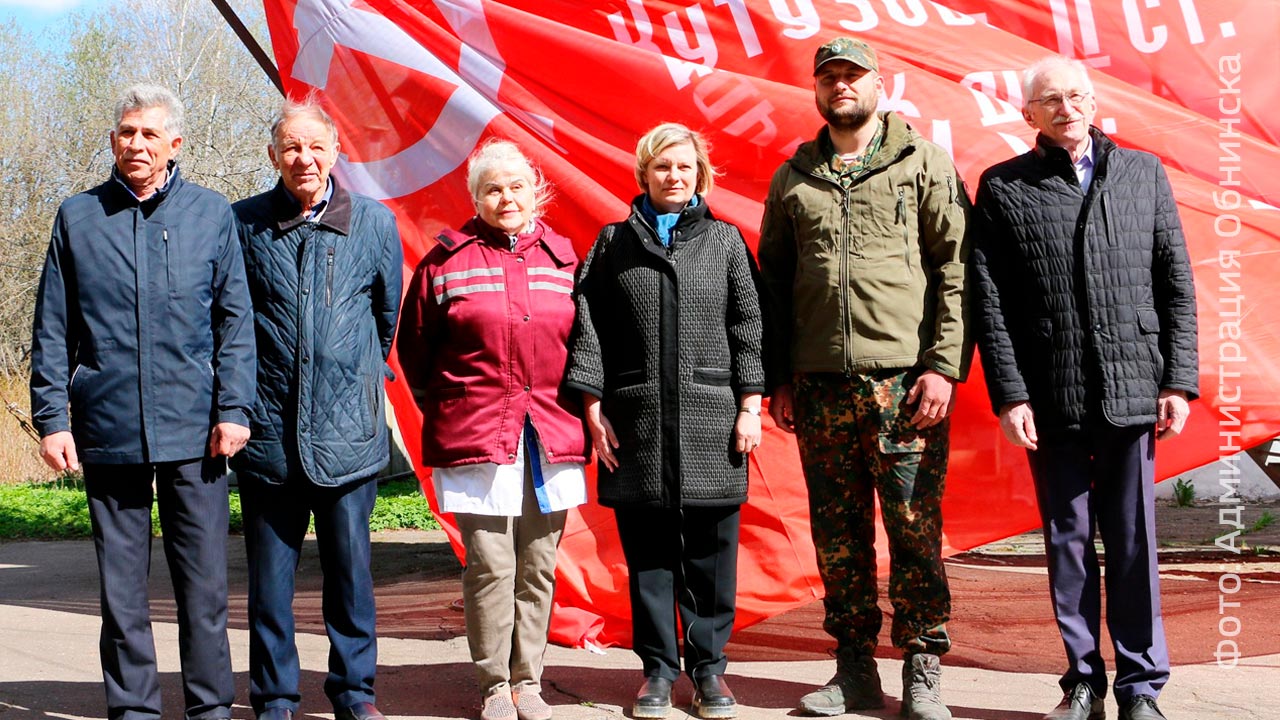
[504, 152]
[144, 97]
[306, 107]
[1032, 74]
[666, 135]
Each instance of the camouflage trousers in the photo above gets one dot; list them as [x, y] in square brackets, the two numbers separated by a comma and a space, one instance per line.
[856, 442]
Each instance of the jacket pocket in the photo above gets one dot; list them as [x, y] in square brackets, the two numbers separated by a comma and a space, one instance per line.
[449, 393]
[628, 378]
[895, 444]
[1148, 321]
[712, 376]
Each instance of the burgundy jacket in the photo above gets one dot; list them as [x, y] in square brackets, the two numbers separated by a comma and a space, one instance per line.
[483, 344]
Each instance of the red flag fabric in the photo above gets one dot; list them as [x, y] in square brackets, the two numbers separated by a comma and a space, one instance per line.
[416, 85]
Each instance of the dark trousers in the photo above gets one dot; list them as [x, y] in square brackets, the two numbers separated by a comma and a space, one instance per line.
[275, 524]
[193, 519]
[687, 559]
[1104, 479]
[856, 442]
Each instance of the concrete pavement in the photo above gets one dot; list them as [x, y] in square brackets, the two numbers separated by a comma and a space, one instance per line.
[49, 628]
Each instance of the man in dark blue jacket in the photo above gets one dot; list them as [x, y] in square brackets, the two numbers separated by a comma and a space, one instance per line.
[325, 270]
[142, 368]
[1087, 325]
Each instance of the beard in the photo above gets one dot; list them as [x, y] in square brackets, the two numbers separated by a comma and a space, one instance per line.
[849, 117]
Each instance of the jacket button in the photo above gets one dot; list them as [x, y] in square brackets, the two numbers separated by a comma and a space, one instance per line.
[511, 456]
[306, 291]
[306, 359]
[526, 318]
[520, 258]
[527, 388]
[1097, 327]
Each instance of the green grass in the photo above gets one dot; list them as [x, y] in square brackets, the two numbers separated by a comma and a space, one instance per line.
[58, 510]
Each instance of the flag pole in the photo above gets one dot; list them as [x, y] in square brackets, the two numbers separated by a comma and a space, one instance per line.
[250, 43]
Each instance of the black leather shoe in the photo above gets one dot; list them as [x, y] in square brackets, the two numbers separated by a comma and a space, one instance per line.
[1079, 704]
[359, 711]
[276, 713]
[712, 698]
[1141, 707]
[653, 700]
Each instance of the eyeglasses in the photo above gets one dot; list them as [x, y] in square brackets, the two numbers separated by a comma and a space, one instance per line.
[1055, 102]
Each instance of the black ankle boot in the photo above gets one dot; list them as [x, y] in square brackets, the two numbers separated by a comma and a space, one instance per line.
[712, 698]
[654, 699]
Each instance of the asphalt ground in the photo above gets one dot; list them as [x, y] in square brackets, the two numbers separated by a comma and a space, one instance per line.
[1003, 666]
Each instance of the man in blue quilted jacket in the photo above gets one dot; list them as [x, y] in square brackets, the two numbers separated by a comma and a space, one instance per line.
[324, 267]
[1087, 327]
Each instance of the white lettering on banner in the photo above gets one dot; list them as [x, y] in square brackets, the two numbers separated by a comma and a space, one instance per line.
[718, 95]
[995, 111]
[800, 26]
[1017, 144]
[942, 136]
[895, 88]
[867, 19]
[1159, 33]
[682, 71]
[746, 30]
[704, 52]
[321, 25]
[1088, 31]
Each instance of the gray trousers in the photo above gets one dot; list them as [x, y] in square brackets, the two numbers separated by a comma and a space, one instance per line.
[507, 589]
[1103, 478]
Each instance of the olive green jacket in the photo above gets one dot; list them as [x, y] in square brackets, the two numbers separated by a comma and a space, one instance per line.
[872, 277]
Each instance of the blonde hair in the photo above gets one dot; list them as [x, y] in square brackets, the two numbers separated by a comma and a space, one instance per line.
[666, 135]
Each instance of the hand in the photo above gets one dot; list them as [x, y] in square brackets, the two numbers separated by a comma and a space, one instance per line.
[782, 408]
[603, 439]
[58, 450]
[1172, 411]
[227, 439]
[746, 429]
[1019, 424]
[935, 395]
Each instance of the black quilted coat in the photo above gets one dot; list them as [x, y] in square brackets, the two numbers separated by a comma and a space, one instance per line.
[1084, 302]
[325, 299]
[669, 341]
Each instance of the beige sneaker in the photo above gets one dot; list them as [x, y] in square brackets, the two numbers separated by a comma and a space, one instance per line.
[498, 706]
[531, 706]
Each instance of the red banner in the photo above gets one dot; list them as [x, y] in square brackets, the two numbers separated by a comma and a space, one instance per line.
[415, 86]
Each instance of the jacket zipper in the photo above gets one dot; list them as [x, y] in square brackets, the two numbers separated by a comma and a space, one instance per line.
[328, 280]
[845, 318]
[168, 261]
[1106, 218]
[900, 217]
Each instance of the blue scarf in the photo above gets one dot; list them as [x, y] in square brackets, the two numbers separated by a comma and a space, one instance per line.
[663, 222]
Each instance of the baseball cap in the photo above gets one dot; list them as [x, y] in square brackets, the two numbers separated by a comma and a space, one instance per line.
[844, 48]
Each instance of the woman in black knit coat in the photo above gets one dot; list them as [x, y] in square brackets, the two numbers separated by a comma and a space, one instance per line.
[667, 354]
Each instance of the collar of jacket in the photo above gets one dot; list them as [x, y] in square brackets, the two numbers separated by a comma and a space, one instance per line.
[125, 195]
[1059, 159]
[693, 220]
[899, 139]
[477, 230]
[288, 211]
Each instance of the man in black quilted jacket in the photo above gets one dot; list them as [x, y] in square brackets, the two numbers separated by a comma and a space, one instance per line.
[1086, 321]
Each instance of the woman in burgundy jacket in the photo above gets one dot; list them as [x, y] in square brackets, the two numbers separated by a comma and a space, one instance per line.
[483, 336]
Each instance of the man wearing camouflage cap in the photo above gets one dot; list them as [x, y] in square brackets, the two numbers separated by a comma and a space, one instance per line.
[862, 252]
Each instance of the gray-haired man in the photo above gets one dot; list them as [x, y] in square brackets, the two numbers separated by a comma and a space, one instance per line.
[142, 368]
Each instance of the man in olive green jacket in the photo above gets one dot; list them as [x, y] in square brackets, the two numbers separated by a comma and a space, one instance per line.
[862, 252]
